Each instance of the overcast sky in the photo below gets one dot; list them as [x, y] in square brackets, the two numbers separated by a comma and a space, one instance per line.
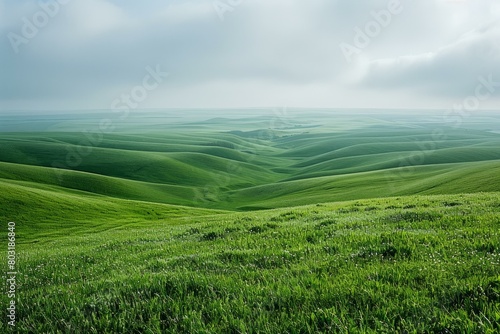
[85, 54]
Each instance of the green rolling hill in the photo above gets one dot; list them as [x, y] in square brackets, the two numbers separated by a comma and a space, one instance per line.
[312, 222]
[50, 211]
[240, 163]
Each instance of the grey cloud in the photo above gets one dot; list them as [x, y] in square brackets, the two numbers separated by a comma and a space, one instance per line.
[275, 47]
[452, 70]
[197, 49]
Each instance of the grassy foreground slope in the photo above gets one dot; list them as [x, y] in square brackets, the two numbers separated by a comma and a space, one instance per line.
[409, 264]
[46, 212]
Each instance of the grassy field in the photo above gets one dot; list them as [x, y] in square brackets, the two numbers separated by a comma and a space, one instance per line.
[253, 221]
[409, 264]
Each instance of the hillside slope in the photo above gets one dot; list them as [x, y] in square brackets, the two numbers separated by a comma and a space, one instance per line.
[406, 264]
[42, 211]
